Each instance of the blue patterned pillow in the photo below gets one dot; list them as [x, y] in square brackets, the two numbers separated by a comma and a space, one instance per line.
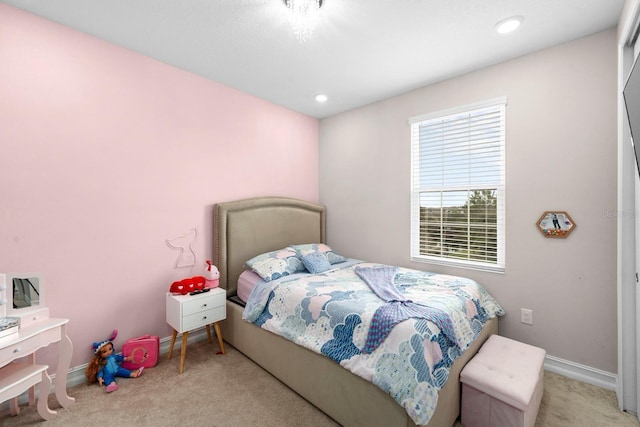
[321, 248]
[316, 262]
[273, 265]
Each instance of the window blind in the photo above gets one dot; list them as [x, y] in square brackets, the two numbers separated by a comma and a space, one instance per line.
[458, 183]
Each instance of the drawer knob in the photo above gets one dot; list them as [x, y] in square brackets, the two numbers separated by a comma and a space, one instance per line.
[204, 305]
[17, 350]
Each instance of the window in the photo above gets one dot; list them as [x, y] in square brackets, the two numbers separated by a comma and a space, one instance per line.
[457, 189]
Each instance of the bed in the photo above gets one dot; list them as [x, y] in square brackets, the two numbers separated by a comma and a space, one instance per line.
[246, 228]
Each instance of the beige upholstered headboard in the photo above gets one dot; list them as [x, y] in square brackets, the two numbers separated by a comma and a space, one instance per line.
[250, 227]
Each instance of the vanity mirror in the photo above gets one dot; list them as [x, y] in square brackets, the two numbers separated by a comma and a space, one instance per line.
[26, 291]
[24, 297]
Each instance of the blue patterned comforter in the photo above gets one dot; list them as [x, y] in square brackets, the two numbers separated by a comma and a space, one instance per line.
[331, 313]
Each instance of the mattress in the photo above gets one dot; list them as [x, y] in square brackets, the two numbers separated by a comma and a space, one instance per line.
[246, 282]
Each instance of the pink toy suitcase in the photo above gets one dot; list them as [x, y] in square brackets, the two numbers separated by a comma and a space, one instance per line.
[145, 351]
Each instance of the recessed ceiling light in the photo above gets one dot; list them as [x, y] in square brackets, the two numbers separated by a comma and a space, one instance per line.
[509, 24]
[321, 98]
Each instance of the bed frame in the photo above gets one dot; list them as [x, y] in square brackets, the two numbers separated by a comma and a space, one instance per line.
[246, 228]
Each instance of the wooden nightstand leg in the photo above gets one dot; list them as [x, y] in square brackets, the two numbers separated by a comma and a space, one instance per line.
[173, 341]
[183, 350]
[209, 333]
[219, 334]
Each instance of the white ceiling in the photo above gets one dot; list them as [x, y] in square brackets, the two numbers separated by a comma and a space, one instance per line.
[362, 51]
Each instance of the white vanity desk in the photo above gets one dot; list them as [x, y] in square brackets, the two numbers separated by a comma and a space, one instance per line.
[37, 335]
[37, 330]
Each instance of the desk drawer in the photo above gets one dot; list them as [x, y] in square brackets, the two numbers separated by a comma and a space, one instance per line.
[20, 349]
[205, 317]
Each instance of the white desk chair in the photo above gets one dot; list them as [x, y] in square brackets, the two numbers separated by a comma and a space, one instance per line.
[16, 378]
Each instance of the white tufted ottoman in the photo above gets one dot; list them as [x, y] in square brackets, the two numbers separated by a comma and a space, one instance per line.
[502, 385]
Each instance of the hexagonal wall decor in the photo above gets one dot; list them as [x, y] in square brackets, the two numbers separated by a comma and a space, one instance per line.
[557, 224]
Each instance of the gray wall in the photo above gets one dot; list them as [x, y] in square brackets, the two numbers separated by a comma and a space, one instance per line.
[561, 155]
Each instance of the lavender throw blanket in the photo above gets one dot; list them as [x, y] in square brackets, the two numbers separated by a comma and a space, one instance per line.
[397, 308]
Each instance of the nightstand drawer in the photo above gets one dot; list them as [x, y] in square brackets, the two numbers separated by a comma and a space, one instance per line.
[207, 317]
[202, 303]
[187, 312]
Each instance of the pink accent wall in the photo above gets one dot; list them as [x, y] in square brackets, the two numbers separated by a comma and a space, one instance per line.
[106, 153]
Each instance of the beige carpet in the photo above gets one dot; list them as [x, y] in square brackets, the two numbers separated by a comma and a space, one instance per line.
[203, 396]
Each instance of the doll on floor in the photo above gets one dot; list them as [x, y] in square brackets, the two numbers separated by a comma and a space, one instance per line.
[105, 365]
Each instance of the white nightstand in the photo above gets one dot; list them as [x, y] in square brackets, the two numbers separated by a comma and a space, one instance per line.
[188, 312]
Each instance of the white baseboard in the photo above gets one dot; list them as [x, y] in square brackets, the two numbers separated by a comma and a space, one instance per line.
[579, 372]
[563, 367]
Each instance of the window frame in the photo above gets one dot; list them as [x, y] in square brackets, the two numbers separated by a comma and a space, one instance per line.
[499, 104]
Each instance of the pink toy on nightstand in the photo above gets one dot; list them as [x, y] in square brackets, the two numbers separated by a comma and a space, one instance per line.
[212, 276]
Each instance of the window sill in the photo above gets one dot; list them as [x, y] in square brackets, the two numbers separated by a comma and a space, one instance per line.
[460, 264]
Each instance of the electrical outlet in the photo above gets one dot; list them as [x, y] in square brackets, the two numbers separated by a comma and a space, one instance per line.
[526, 316]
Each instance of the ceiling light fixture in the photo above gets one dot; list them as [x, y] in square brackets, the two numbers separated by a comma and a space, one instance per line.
[321, 98]
[509, 24]
[303, 15]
